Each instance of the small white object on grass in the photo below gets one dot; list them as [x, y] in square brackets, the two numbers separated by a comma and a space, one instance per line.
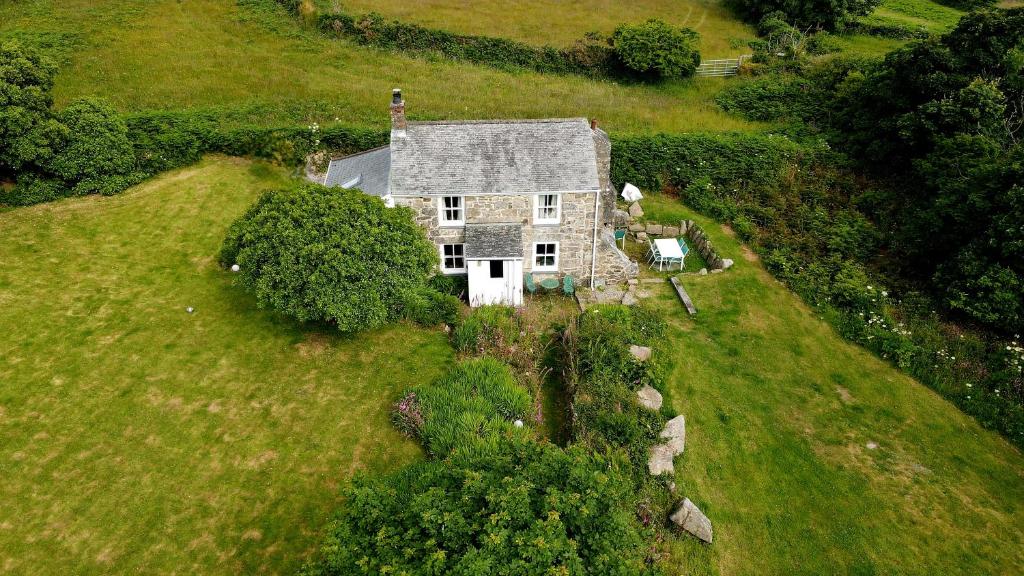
[872, 445]
[235, 267]
[519, 423]
[631, 193]
[190, 309]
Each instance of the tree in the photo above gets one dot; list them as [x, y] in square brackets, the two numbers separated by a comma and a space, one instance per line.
[826, 14]
[26, 77]
[330, 255]
[96, 155]
[657, 50]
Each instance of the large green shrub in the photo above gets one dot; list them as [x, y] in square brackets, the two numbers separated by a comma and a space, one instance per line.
[26, 77]
[96, 155]
[329, 255]
[826, 14]
[525, 509]
[657, 50]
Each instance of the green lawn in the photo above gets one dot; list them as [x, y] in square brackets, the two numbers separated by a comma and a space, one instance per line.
[261, 66]
[780, 411]
[138, 438]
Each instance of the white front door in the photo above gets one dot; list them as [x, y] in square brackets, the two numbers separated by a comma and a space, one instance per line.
[495, 282]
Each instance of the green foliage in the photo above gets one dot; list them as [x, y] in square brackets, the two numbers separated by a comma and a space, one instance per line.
[469, 412]
[657, 50]
[329, 255]
[26, 77]
[605, 376]
[429, 307]
[527, 509]
[96, 154]
[826, 14]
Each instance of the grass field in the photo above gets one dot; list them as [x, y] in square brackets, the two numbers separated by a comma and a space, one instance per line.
[560, 23]
[138, 438]
[259, 64]
[780, 413]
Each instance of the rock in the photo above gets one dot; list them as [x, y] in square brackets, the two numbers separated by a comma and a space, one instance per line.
[655, 229]
[641, 353]
[649, 397]
[872, 445]
[675, 433]
[636, 228]
[716, 271]
[703, 272]
[620, 216]
[632, 281]
[671, 231]
[635, 210]
[690, 518]
[641, 236]
[727, 263]
[684, 226]
[629, 299]
[660, 461]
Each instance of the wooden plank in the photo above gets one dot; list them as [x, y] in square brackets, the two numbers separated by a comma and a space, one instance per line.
[683, 296]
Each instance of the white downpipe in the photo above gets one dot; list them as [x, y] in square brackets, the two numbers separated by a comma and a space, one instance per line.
[593, 248]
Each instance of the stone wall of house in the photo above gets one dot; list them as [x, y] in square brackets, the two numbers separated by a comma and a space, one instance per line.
[603, 150]
[574, 233]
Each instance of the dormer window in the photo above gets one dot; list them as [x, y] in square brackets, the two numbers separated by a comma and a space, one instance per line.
[452, 211]
[547, 209]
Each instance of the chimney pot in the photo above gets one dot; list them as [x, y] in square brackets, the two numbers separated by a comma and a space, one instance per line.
[396, 96]
[593, 123]
[398, 122]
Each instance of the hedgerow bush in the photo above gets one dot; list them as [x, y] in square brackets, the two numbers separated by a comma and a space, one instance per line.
[26, 78]
[816, 14]
[528, 508]
[329, 255]
[657, 50]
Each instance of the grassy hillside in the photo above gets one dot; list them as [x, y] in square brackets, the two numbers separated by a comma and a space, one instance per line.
[781, 414]
[560, 23]
[258, 63]
[136, 437]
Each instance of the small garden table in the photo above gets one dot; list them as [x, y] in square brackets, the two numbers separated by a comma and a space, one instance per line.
[668, 249]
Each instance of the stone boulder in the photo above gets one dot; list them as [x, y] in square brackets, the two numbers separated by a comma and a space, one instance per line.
[675, 433]
[703, 272]
[629, 299]
[660, 460]
[621, 217]
[727, 263]
[641, 236]
[655, 229]
[649, 397]
[641, 353]
[636, 227]
[671, 231]
[691, 519]
[635, 210]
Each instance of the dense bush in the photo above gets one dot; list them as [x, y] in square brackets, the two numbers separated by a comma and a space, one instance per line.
[806, 14]
[329, 255]
[26, 77]
[96, 155]
[657, 50]
[526, 509]
[429, 307]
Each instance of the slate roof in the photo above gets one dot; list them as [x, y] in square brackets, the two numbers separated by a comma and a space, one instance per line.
[485, 241]
[494, 157]
[369, 169]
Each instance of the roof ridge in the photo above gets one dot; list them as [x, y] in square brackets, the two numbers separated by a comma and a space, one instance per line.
[500, 121]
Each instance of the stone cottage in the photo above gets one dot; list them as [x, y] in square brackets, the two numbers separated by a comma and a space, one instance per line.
[500, 198]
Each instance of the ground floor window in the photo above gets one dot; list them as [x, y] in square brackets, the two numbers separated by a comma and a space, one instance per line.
[545, 257]
[497, 269]
[453, 258]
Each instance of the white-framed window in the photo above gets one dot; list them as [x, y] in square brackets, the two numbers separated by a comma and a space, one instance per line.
[452, 210]
[547, 208]
[545, 257]
[453, 258]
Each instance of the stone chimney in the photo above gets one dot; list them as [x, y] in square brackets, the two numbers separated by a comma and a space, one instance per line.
[398, 122]
[593, 123]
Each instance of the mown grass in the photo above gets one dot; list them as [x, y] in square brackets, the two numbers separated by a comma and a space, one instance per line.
[559, 23]
[138, 438]
[258, 64]
[918, 13]
[780, 413]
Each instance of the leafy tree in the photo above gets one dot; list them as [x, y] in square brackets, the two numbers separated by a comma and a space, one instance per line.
[330, 255]
[26, 77]
[655, 49]
[96, 155]
[826, 14]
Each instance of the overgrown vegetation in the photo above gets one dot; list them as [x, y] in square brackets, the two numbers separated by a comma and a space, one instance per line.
[819, 14]
[337, 256]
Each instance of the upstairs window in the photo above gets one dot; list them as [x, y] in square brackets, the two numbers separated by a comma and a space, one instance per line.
[545, 257]
[453, 258]
[547, 209]
[452, 211]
